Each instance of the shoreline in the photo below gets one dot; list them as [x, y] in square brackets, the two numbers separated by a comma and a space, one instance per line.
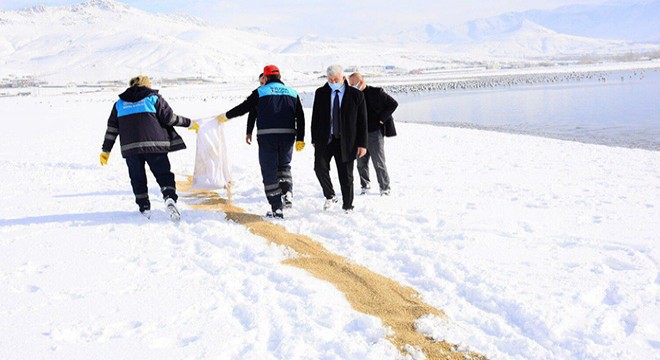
[304, 85]
[474, 74]
[510, 81]
[538, 134]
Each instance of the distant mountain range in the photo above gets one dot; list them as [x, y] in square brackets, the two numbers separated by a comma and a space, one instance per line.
[108, 40]
[638, 22]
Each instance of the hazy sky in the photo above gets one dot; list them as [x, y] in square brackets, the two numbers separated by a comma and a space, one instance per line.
[338, 17]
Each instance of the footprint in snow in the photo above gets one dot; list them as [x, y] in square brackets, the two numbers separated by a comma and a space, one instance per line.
[618, 265]
[612, 296]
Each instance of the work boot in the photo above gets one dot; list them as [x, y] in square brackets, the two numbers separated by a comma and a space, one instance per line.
[175, 215]
[287, 200]
[145, 210]
[277, 214]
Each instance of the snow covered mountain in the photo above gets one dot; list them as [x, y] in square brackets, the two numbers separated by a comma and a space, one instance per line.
[107, 37]
[639, 22]
[619, 20]
[526, 39]
[108, 40]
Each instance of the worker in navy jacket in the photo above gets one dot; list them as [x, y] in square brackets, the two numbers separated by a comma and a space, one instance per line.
[144, 123]
[280, 123]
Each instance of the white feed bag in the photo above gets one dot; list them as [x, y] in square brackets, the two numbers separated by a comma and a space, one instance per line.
[212, 170]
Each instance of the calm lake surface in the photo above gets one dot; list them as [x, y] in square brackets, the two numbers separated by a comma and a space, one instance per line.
[615, 109]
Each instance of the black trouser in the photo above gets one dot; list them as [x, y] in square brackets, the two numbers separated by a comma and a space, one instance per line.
[322, 157]
[160, 167]
[275, 153]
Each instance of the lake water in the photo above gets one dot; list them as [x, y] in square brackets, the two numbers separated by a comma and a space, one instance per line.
[623, 110]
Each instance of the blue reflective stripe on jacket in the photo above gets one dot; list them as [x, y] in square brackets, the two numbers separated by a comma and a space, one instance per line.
[276, 109]
[276, 89]
[146, 105]
[279, 111]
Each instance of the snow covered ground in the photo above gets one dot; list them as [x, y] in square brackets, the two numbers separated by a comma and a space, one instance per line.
[534, 248]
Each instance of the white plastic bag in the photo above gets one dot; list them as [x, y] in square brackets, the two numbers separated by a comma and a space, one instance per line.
[212, 169]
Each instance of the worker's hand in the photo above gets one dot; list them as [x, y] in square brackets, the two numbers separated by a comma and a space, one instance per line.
[194, 126]
[300, 145]
[248, 139]
[223, 118]
[361, 152]
[104, 158]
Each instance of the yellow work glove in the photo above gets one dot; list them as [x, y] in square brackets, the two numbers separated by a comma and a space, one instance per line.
[104, 158]
[194, 126]
[300, 145]
[223, 118]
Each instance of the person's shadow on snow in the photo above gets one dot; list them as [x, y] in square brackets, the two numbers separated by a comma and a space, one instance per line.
[82, 219]
[88, 219]
[98, 193]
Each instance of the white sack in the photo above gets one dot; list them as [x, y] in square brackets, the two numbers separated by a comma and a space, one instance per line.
[212, 170]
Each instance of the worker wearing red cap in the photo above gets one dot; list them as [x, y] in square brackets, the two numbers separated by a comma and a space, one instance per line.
[280, 124]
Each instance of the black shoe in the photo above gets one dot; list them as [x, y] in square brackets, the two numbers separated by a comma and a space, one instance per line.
[287, 200]
[349, 210]
[277, 214]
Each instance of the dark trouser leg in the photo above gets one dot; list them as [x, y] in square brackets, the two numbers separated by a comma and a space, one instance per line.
[322, 156]
[268, 159]
[363, 169]
[161, 168]
[284, 166]
[377, 151]
[138, 181]
[345, 172]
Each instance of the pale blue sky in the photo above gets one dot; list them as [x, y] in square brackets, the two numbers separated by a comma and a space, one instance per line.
[340, 17]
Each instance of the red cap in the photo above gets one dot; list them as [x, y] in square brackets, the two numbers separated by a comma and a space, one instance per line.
[271, 70]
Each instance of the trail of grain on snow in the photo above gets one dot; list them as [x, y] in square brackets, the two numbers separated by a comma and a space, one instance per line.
[396, 305]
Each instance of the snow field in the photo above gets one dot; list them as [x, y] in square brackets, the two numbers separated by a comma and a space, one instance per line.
[534, 248]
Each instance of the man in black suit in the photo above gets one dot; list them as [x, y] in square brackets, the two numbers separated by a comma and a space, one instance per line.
[380, 107]
[339, 130]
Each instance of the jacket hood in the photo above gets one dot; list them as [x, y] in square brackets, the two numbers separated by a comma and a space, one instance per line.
[137, 93]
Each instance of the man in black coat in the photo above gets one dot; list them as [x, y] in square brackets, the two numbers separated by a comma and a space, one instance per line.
[380, 107]
[339, 130]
